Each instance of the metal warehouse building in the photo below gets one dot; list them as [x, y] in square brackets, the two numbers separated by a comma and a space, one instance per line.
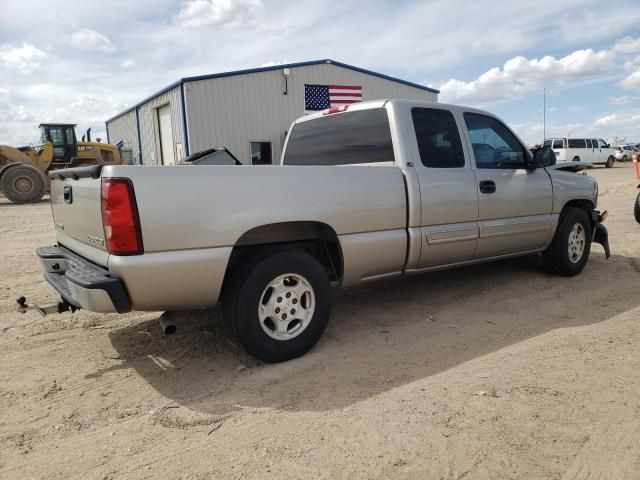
[247, 111]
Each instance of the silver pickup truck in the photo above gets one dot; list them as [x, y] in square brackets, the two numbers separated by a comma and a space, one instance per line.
[376, 190]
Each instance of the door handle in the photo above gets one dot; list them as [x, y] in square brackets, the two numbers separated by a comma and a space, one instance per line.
[67, 194]
[487, 186]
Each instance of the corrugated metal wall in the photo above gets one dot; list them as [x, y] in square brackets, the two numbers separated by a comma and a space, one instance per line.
[124, 128]
[149, 125]
[233, 111]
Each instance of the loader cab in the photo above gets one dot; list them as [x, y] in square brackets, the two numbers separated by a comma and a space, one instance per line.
[63, 138]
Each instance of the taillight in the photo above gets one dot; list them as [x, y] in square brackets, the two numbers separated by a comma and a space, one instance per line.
[120, 217]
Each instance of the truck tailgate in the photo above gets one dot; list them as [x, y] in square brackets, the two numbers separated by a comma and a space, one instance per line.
[77, 211]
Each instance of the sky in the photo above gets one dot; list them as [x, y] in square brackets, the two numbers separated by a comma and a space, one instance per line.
[82, 62]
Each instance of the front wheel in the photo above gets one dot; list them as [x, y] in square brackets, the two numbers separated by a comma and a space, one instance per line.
[279, 306]
[636, 209]
[569, 251]
[609, 163]
[624, 158]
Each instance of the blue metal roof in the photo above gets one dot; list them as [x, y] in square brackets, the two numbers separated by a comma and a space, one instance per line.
[268, 69]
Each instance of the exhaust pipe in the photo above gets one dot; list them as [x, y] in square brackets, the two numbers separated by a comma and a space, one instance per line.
[167, 323]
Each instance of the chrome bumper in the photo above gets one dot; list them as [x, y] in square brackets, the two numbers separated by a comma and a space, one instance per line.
[82, 283]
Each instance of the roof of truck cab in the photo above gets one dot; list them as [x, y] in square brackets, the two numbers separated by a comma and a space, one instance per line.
[380, 103]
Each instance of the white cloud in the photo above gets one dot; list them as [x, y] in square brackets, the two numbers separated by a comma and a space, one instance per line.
[128, 63]
[228, 13]
[632, 82]
[627, 45]
[631, 65]
[274, 63]
[621, 125]
[623, 100]
[27, 58]
[520, 75]
[84, 101]
[86, 39]
[607, 120]
[491, 87]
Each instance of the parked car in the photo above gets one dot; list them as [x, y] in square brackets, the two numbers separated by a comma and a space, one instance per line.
[593, 150]
[623, 152]
[367, 191]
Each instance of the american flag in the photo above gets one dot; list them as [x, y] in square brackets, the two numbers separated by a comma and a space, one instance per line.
[319, 97]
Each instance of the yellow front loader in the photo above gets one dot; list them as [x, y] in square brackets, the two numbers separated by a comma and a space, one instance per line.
[23, 171]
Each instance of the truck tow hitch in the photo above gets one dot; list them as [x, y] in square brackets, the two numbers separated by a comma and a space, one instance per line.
[44, 310]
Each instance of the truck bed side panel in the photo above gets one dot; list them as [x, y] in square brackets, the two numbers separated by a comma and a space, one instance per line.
[191, 218]
[184, 208]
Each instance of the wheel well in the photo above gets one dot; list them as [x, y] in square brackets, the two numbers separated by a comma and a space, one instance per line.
[585, 205]
[317, 239]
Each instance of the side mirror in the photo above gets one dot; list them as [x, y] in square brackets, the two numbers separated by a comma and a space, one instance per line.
[543, 157]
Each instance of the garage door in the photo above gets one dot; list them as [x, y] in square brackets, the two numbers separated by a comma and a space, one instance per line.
[166, 136]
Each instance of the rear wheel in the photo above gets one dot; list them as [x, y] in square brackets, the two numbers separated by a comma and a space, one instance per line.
[636, 209]
[569, 251]
[576, 159]
[610, 161]
[279, 306]
[24, 184]
[624, 158]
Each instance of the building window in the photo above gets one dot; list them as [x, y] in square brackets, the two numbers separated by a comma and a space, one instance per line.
[261, 153]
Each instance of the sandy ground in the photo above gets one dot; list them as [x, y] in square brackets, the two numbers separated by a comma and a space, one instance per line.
[492, 372]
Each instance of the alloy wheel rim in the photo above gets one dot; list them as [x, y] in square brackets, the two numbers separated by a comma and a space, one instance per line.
[286, 306]
[576, 243]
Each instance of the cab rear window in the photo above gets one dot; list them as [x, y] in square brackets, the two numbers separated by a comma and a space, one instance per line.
[347, 138]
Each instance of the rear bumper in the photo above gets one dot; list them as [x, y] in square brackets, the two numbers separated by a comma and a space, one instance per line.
[82, 283]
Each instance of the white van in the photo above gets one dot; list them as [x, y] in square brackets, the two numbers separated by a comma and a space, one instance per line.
[594, 150]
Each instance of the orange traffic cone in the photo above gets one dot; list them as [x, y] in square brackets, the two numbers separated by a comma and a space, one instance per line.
[636, 168]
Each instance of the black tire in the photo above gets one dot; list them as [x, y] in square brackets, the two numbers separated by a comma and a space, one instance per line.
[244, 293]
[636, 209]
[610, 161]
[576, 159]
[556, 257]
[23, 184]
[624, 158]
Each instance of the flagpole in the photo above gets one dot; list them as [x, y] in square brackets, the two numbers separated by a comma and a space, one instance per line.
[544, 114]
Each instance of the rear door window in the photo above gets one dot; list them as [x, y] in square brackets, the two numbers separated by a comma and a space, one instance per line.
[438, 138]
[347, 138]
[558, 143]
